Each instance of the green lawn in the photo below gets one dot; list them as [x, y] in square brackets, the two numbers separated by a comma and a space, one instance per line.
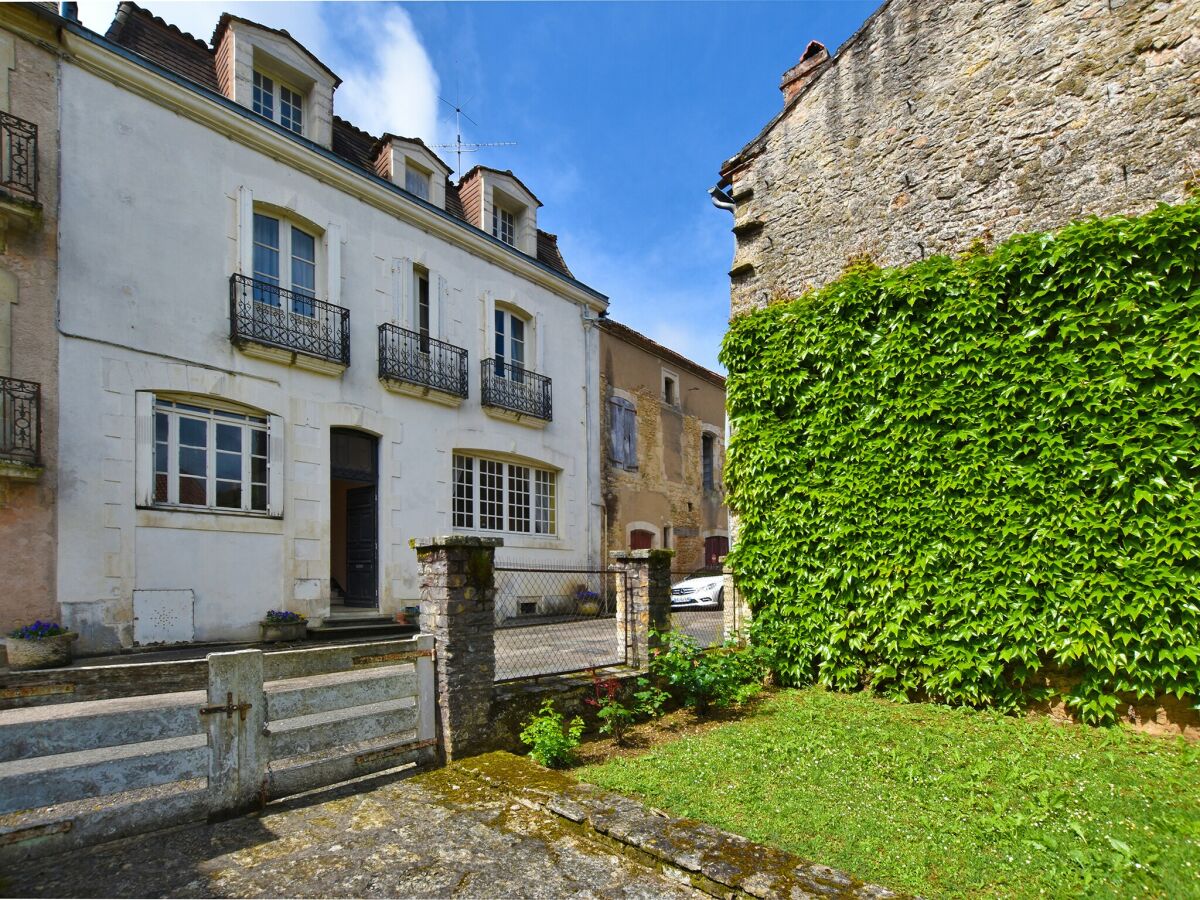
[937, 801]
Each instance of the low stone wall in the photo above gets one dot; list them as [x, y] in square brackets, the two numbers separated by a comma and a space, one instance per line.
[710, 860]
[1164, 716]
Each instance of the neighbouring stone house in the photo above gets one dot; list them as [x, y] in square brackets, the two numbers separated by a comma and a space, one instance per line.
[938, 124]
[664, 427]
[28, 339]
[287, 346]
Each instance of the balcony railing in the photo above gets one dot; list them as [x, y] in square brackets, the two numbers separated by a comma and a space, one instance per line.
[510, 387]
[263, 313]
[20, 421]
[18, 156]
[419, 359]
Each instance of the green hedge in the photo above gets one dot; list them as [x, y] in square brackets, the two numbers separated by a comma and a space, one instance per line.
[953, 476]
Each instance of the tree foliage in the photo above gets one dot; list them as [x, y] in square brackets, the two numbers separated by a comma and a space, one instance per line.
[956, 475]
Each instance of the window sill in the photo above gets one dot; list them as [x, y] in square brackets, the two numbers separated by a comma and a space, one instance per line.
[518, 540]
[208, 519]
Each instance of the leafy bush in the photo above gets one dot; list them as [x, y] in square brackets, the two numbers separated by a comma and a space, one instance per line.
[38, 631]
[705, 679]
[552, 741]
[957, 475]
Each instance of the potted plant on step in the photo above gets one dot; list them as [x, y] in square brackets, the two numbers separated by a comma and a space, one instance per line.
[42, 645]
[282, 625]
[587, 603]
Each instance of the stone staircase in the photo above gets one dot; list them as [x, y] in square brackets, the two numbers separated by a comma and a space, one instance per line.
[355, 622]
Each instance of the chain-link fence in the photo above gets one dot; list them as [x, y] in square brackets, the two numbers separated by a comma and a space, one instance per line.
[697, 604]
[555, 619]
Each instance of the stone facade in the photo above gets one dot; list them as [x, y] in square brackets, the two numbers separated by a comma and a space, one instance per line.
[664, 491]
[28, 336]
[939, 124]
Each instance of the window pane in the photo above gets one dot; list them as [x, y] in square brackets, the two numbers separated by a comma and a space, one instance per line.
[518, 342]
[258, 470]
[160, 487]
[193, 491]
[193, 461]
[421, 292]
[160, 426]
[543, 518]
[229, 437]
[229, 465]
[258, 497]
[193, 432]
[229, 494]
[258, 442]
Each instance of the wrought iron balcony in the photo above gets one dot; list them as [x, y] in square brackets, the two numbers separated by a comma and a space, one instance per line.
[515, 389]
[419, 359]
[18, 156]
[20, 421]
[263, 313]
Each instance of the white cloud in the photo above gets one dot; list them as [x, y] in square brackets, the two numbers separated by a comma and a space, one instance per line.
[388, 79]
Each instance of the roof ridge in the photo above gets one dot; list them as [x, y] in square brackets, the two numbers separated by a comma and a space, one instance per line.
[175, 30]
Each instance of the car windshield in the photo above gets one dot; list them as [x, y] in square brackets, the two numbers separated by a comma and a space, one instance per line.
[705, 573]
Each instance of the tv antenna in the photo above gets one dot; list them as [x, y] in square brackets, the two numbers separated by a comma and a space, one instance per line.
[459, 147]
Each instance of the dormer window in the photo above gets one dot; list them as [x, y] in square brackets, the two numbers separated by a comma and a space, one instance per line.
[276, 101]
[504, 226]
[416, 181]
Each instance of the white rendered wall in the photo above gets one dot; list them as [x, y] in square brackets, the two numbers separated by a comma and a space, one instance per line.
[149, 238]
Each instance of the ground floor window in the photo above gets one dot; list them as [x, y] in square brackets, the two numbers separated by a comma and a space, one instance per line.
[493, 495]
[209, 458]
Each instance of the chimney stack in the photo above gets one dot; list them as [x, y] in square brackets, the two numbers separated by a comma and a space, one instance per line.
[795, 78]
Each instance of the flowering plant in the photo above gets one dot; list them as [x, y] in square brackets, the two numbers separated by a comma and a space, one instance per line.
[38, 631]
[284, 617]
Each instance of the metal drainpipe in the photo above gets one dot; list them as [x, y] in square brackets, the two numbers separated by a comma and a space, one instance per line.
[722, 200]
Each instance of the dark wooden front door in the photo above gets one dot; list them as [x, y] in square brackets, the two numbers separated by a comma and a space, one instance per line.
[362, 566]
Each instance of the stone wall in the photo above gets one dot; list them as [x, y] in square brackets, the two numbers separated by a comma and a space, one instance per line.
[941, 123]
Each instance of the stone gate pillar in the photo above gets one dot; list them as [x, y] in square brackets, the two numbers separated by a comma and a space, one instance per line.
[458, 594]
[643, 601]
[737, 612]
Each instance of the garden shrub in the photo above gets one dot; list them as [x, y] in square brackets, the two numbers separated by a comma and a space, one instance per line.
[956, 475]
[551, 740]
[704, 679]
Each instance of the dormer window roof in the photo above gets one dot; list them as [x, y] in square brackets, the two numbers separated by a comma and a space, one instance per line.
[409, 163]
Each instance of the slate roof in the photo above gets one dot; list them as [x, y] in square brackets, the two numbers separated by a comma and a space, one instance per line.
[140, 31]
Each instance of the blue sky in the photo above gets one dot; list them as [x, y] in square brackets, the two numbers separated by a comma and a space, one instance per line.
[622, 114]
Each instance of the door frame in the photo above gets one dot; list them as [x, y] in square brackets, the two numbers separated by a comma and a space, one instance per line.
[367, 478]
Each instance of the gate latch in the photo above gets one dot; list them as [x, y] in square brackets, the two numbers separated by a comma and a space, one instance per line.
[229, 708]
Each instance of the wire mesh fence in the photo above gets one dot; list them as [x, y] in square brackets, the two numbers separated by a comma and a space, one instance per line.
[555, 619]
[697, 604]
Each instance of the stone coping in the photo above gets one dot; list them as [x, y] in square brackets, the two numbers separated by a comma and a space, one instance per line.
[455, 540]
[713, 861]
[626, 555]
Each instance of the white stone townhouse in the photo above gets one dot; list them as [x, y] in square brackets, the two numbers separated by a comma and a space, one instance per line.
[287, 347]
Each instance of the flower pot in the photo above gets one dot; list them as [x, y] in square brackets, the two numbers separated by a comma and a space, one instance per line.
[272, 632]
[47, 653]
[589, 607]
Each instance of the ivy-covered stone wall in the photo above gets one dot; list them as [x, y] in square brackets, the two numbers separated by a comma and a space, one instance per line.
[955, 477]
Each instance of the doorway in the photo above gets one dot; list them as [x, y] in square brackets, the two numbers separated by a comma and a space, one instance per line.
[354, 519]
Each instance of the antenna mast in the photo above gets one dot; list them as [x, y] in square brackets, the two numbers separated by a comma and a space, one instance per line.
[458, 146]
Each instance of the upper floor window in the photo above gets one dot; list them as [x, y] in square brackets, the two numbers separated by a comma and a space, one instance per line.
[276, 101]
[209, 458]
[416, 182]
[504, 225]
[285, 256]
[707, 454]
[670, 392]
[622, 426]
[510, 345]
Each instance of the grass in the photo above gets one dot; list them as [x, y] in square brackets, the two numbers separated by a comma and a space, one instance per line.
[938, 801]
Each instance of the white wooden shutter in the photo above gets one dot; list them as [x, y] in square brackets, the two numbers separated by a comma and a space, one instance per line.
[245, 231]
[438, 307]
[143, 456]
[275, 463]
[333, 263]
[539, 344]
[401, 288]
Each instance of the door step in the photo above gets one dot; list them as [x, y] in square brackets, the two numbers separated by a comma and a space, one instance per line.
[339, 628]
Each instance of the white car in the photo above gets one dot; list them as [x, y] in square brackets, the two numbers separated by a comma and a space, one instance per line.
[703, 589]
